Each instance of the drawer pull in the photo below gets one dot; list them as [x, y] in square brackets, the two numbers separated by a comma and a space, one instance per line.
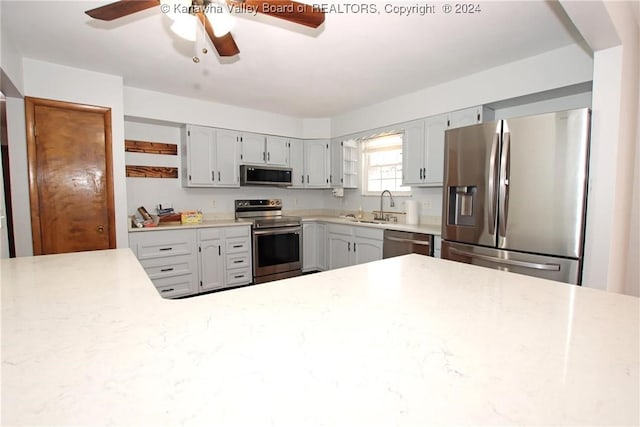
[238, 261]
[166, 269]
[167, 290]
[238, 276]
[165, 249]
[237, 246]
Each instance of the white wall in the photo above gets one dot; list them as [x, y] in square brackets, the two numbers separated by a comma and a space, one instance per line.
[554, 69]
[178, 109]
[10, 62]
[569, 102]
[19, 179]
[611, 29]
[52, 81]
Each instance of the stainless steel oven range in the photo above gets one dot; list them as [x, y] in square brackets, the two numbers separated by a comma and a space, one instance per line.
[277, 239]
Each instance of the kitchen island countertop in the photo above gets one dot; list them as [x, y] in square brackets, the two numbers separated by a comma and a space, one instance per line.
[412, 340]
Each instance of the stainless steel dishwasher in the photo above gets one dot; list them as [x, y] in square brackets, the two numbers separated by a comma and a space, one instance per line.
[398, 243]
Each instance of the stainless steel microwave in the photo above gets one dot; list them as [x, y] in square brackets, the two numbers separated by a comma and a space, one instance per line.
[265, 175]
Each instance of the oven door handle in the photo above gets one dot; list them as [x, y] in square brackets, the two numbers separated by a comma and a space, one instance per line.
[279, 230]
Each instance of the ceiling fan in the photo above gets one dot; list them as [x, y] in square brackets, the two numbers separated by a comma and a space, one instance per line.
[288, 10]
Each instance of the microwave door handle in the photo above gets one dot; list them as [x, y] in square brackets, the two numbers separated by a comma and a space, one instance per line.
[493, 169]
[504, 182]
[513, 262]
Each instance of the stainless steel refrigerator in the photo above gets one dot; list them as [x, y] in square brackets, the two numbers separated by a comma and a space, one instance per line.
[514, 194]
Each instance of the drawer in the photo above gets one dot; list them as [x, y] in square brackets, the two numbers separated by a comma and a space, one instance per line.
[177, 286]
[241, 260]
[157, 244]
[239, 277]
[244, 231]
[169, 266]
[210, 233]
[368, 233]
[236, 245]
[340, 229]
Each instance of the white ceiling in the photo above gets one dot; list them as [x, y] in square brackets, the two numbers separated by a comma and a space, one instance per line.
[352, 60]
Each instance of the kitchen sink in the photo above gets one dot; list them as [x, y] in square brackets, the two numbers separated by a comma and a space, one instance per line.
[365, 221]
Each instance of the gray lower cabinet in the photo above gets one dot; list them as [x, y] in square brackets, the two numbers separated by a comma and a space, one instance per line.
[169, 257]
[351, 245]
[314, 246]
[190, 261]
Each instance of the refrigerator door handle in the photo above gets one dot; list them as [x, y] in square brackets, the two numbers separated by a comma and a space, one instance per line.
[492, 182]
[504, 182]
[513, 262]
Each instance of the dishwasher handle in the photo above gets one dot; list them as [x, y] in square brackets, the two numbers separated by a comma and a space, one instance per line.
[414, 242]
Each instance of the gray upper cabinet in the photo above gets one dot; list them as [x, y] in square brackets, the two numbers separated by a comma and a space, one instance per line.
[423, 144]
[310, 163]
[277, 149]
[423, 151]
[296, 159]
[317, 163]
[264, 150]
[469, 116]
[209, 157]
[252, 151]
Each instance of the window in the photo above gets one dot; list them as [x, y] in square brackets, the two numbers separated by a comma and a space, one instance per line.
[382, 165]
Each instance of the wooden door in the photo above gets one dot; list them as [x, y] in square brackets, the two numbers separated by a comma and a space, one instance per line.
[70, 176]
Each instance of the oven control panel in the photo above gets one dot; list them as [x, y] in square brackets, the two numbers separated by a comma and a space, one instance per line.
[257, 204]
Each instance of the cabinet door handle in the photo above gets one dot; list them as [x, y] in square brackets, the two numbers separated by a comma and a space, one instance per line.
[302, 179]
[263, 156]
[218, 175]
[166, 269]
[424, 173]
[165, 249]
[268, 156]
[167, 290]
[307, 179]
[349, 247]
[420, 174]
[354, 246]
[213, 176]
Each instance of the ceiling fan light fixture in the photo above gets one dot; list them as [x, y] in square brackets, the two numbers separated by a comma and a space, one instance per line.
[221, 20]
[185, 26]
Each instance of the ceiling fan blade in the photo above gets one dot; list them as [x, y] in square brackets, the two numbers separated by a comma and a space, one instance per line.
[289, 10]
[120, 8]
[225, 45]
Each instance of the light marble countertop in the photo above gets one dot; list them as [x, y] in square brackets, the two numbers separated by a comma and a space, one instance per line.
[434, 229]
[412, 340]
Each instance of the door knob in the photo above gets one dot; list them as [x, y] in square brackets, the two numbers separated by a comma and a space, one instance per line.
[100, 229]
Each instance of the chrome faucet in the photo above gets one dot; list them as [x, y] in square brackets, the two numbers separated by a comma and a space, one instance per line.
[391, 204]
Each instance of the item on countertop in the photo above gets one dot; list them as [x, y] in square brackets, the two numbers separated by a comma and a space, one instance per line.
[191, 217]
[137, 220]
[144, 213]
[173, 217]
[165, 211]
